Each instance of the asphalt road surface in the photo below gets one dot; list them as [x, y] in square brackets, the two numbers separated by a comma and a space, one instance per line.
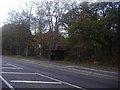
[36, 74]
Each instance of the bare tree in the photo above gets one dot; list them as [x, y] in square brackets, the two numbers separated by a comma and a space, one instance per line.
[23, 16]
[51, 13]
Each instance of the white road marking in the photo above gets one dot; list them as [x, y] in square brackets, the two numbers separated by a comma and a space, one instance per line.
[7, 83]
[61, 81]
[16, 73]
[84, 72]
[98, 70]
[45, 77]
[39, 82]
[9, 68]
[93, 73]
[11, 65]
[89, 69]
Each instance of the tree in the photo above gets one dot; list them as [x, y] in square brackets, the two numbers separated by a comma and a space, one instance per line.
[50, 16]
[23, 17]
[91, 32]
[14, 37]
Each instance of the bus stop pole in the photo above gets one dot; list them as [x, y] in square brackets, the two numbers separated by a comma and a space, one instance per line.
[40, 51]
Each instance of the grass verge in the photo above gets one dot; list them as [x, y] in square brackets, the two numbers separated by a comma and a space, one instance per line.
[20, 57]
[71, 63]
[89, 65]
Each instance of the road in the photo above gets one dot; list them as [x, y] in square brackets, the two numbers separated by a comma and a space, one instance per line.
[24, 73]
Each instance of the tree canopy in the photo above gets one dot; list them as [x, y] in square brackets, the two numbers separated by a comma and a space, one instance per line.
[89, 32]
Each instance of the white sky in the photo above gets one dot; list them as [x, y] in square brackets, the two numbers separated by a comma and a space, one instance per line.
[8, 5]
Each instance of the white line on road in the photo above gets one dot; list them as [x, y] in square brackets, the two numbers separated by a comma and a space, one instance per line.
[15, 67]
[9, 68]
[98, 70]
[16, 73]
[7, 83]
[93, 73]
[80, 67]
[61, 81]
[39, 82]
[11, 65]
[45, 77]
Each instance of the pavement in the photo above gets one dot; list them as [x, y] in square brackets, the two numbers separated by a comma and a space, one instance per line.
[36, 74]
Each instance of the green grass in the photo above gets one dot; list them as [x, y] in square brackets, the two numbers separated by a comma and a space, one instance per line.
[21, 57]
[71, 63]
[89, 65]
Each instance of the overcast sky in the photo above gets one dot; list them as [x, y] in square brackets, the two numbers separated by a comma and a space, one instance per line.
[5, 7]
[8, 5]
